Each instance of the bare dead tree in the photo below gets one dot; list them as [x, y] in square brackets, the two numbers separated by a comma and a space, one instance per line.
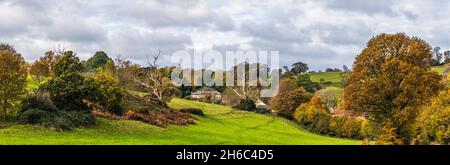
[156, 83]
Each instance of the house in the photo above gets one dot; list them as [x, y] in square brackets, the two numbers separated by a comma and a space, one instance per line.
[343, 112]
[207, 94]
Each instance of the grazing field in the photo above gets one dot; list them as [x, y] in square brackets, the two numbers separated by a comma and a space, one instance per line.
[334, 77]
[220, 125]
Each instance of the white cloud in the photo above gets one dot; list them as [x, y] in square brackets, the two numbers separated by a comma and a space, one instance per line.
[324, 33]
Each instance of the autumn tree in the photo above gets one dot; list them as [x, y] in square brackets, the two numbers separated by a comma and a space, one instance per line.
[391, 80]
[42, 67]
[286, 103]
[13, 77]
[433, 123]
[111, 98]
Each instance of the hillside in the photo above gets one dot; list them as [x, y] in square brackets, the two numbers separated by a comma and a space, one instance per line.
[334, 77]
[221, 125]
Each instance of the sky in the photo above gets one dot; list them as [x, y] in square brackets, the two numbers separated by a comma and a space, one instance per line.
[321, 33]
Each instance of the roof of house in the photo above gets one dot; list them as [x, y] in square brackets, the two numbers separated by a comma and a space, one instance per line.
[206, 91]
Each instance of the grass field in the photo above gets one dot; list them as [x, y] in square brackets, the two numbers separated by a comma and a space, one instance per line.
[334, 77]
[221, 125]
[440, 70]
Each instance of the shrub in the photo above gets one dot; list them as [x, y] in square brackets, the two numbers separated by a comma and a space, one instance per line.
[52, 120]
[387, 136]
[433, 123]
[314, 117]
[39, 100]
[80, 119]
[246, 104]
[286, 103]
[261, 111]
[367, 130]
[193, 111]
[39, 109]
[111, 95]
[162, 118]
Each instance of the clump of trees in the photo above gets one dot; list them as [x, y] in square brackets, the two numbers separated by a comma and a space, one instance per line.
[391, 81]
[286, 102]
[13, 79]
[315, 117]
[60, 103]
[433, 122]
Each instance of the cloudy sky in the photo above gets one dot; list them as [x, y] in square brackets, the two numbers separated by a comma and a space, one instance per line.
[322, 33]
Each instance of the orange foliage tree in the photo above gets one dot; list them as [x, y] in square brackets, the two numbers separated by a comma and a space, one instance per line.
[391, 81]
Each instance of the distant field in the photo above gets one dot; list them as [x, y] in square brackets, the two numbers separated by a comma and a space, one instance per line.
[221, 125]
[334, 77]
[440, 70]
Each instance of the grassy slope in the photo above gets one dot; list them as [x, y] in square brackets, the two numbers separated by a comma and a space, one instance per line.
[221, 125]
[334, 77]
[440, 70]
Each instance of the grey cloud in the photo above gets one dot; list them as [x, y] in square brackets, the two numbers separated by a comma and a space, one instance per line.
[138, 45]
[75, 30]
[347, 34]
[223, 23]
[274, 31]
[364, 6]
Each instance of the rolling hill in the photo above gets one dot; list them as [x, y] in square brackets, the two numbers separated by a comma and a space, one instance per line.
[220, 125]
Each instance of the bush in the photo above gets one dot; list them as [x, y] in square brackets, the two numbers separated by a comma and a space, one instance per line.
[262, 111]
[52, 120]
[246, 104]
[193, 111]
[314, 117]
[40, 101]
[80, 119]
[433, 123]
[39, 109]
[111, 98]
[286, 103]
[387, 136]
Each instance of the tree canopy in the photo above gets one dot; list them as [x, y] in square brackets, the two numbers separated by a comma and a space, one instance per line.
[391, 80]
[13, 77]
[99, 59]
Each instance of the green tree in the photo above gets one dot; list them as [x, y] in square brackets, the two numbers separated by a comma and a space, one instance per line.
[13, 77]
[299, 68]
[304, 80]
[68, 89]
[391, 80]
[99, 60]
[438, 55]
